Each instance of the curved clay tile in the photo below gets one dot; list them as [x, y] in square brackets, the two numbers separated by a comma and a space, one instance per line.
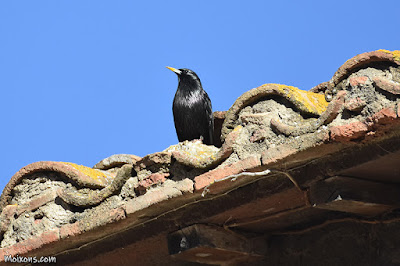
[320, 88]
[363, 60]
[357, 62]
[116, 160]
[197, 155]
[79, 174]
[305, 101]
[93, 197]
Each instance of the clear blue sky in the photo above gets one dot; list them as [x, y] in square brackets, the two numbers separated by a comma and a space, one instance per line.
[82, 80]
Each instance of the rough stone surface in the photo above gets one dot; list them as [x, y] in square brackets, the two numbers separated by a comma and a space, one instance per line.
[384, 116]
[152, 180]
[205, 179]
[195, 154]
[31, 244]
[387, 85]
[70, 230]
[77, 174]
[36, 210]
[352, 131]
[276, 153]
[306, 102]
[358, 81]
[152, 160]
[6, 215]
[361, 60]
[128, 190]
[116, 160]
[355, 104]
[153, 196]
[45, 218]
[87, 197]
[36, 185]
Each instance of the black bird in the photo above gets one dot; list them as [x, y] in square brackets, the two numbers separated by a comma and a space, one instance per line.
[192, 109]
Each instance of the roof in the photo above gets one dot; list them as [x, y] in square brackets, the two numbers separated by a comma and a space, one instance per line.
[288, 159]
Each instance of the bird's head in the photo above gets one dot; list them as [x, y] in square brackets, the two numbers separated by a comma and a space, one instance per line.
[186, 76]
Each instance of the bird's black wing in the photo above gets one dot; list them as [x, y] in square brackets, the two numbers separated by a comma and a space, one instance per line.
[193, 119]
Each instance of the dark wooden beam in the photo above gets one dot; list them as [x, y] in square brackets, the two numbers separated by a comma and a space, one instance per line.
[211, 245]
[363, 197]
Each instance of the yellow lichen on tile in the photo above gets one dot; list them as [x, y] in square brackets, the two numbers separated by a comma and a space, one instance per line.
[395, 53]
[314, 103]
[237, 128]
[195, 152]
[94, 174]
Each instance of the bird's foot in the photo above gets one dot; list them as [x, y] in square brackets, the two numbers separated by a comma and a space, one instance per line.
[196, 141]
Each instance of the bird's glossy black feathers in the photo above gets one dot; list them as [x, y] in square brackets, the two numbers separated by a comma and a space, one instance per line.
[192, 109]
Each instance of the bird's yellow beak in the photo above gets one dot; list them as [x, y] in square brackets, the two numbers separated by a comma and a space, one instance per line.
[177, 71]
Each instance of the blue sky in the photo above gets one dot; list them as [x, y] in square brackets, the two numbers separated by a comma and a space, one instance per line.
[82, 80]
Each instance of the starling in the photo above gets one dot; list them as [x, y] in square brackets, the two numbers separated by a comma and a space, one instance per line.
[192, 109]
